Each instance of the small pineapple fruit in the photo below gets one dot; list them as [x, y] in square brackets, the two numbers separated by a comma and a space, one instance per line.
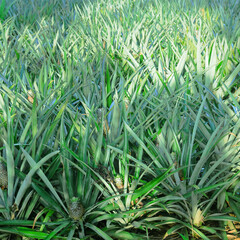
[75, 209]
[119, 182]
[3, 176]
[126, 102]
[31, 96]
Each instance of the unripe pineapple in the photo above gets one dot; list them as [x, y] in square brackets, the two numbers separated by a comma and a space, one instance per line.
[76, 209]
[31, 96]
[119, 182]
[3, 176]
[126, 102]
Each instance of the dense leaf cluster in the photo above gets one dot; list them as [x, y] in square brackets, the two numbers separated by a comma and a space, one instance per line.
[119, 119]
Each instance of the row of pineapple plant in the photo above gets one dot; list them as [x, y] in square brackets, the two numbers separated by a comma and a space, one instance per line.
[119, 120]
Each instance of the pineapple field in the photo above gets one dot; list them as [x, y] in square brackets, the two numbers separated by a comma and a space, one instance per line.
[119, 120]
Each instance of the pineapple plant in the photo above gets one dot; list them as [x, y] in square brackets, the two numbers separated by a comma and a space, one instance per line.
[75, 209]
[3, 176]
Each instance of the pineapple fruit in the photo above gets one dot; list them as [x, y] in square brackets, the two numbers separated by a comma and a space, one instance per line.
[3, 176]
[31, 96]
[75, 209]
[119, 182]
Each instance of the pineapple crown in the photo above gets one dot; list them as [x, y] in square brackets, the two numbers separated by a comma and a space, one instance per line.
[31, 93]
[118, 176]
[74, 199]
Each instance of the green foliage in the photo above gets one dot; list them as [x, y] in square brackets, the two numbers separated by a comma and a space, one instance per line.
[119, 119]
[3, 10]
